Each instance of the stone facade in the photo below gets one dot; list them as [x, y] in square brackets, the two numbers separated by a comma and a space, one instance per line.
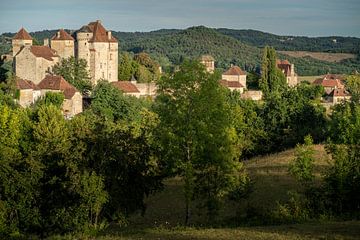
[34, 62]
[63, 44]
[289, 72]
[100, 49]
[20, 40]
[252, 95]
[209, 63]
[235, 74]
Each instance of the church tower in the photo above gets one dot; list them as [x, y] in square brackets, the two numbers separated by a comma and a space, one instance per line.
[21, 39]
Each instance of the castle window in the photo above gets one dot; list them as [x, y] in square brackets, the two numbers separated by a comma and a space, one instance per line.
[85, 43]
[110, 56]
[103, 75]
[109, 75]
[100, 65]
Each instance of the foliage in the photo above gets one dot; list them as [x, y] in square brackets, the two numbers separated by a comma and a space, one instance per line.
[51, 98]
[303, 164]
[126, 67]
[197, 136]
[75, 72]
[353, 85]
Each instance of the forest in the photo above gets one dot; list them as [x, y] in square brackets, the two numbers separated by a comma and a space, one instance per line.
[96, 170]
[239, 47]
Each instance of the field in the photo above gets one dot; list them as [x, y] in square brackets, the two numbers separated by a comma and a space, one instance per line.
[323, 56]
[165, 214]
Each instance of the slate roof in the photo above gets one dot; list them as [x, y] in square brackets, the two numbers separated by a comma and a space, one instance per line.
[126, 86]
[53, 82]
[22, 34]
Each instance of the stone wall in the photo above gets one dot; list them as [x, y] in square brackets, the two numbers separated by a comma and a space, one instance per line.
[238, 78]
[17, 44]
[64, 48]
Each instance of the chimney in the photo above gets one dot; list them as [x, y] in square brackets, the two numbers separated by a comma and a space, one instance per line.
[109, 35]
[46, 42]
[98, 21]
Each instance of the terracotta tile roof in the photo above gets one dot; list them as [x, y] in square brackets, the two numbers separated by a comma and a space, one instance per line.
[52, 82]
[22, 84]
[284, 62]
[284, 66]
[339, 93]
[231, 84]
[125, 86]
[23, 35]
[44, 52]
[329, 81]
[99, 33]
[62, 35]
[206, 58]
[234, 70]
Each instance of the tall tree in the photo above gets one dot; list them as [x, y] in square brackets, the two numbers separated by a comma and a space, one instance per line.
[195, 130]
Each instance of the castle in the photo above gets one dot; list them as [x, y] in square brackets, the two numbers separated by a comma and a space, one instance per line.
[91, 42]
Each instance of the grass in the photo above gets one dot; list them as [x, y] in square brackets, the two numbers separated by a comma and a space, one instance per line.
[322, 56]
[309, 79]
[165, 210]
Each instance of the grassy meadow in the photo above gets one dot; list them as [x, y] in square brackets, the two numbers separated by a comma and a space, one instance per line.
[165, 213]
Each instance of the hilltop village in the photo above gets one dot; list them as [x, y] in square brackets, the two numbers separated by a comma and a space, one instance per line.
[93, 43]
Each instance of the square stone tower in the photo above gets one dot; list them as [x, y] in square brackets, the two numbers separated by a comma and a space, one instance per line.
[21, 39]
[100, 49]
[63, 44]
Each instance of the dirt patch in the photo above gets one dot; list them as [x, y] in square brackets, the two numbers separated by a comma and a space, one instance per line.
[329, 57]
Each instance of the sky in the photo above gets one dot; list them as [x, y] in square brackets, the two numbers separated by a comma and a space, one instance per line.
[283, 17]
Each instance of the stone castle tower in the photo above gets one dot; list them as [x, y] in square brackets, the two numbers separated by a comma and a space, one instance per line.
[63, 44]
[209, 63]
[100, 49]
[20, 40]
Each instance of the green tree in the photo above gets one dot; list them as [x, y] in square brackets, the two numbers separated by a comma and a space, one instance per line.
[126, 70]
[353, 85]
[302, 166]
[196, 135]
[75, 72]
[272, 79]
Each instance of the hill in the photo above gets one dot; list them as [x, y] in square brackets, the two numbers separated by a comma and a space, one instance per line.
[240, 47]
[322, 56]
[335, 44]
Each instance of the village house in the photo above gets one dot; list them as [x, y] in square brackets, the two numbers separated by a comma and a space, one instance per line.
[72, 104]
[127, 87]
[330, 82]
[235, 74]
[209, 63]
[338, 95]
[232, 85]
[289, 71]
[27, 92]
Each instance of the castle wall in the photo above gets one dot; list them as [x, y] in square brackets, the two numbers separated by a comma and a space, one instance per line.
[64, 48]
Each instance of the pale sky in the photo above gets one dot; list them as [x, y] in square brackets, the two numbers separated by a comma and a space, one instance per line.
[284, 17]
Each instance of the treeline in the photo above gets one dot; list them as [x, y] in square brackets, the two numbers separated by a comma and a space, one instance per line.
[59, 176]
[239, 47]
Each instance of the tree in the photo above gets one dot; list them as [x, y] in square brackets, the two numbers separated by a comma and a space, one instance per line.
[196, 135]
[75, 72]
[353, 85]
[126, 70]
[272, 79]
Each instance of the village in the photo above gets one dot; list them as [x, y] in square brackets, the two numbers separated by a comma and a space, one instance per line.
[92, 42]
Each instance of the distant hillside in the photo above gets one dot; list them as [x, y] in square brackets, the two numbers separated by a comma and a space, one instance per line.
[240, 47]
[334, 44]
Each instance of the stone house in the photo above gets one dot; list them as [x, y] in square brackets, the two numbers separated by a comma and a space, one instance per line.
[232, 85]
[338, 95]
[73, 99]
[100, 49]
[289, 71]
[27, 92]
[127, 87]
[209, 63]
[21, 39]
[63, 44]
[330, 82]
[235, 74]
[34, 62]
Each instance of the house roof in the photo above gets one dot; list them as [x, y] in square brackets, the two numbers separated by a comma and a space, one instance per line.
[22, 34]
[329, 80]
[125, 86]
[285, 66]
[231, 84]
[234, 70]
[62, 35]
[53, 82]
[23, 84]
[44, 52]
[340, 92]
[206, 58]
